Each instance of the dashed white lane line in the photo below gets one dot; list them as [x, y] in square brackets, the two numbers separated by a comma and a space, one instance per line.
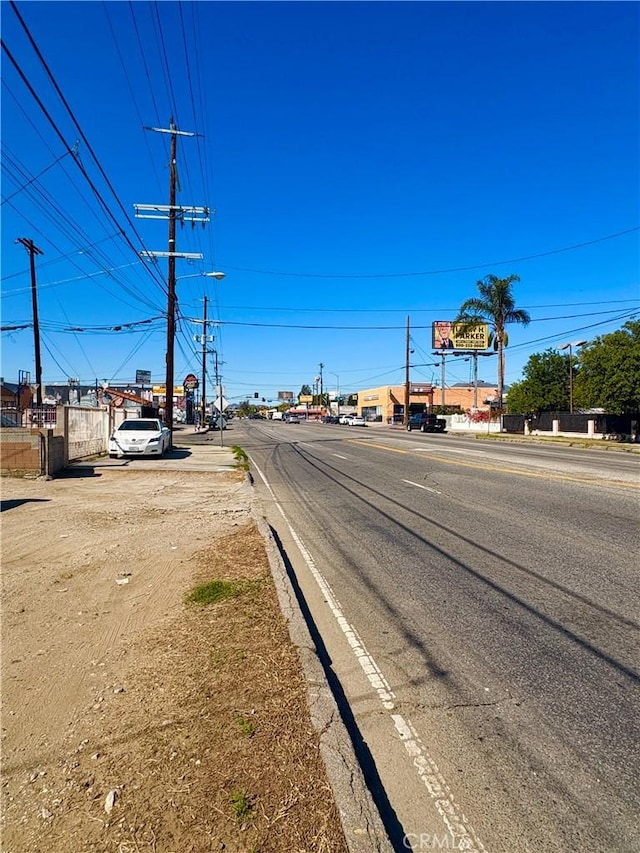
[340, 457]
[428, 772]
[420, 486]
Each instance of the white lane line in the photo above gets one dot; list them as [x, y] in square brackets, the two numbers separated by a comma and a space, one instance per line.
[420, 486]
[340, 457]
[445, 450]
[435, 783]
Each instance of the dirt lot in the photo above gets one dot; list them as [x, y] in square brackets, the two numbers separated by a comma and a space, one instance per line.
[131, 719]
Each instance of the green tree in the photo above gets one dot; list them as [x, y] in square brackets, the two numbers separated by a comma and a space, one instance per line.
[545, 387]
[305, 391]
[608, 374]
[495, 306]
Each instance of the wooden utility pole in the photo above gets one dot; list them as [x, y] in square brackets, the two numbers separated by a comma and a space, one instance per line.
[33, 251]
[220, 399]
[405, 419]
[171, 286]
[172, 212]
[202, 340]
[204, 362]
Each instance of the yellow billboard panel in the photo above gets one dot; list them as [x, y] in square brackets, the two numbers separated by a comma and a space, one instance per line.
[305, 398]
[448, 336]
[159, 390]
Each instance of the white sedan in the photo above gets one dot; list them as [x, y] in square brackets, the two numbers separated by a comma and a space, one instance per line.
[355, 420]
[140, 437]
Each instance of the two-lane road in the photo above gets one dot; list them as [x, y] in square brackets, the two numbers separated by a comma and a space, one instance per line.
[480, 606]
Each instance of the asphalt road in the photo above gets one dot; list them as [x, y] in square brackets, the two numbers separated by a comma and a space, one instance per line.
[479, 602]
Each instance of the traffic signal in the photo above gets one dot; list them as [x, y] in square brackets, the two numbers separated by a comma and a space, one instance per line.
[255, 394]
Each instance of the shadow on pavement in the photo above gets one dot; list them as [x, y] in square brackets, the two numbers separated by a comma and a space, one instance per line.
[389, 818]
[13, 504]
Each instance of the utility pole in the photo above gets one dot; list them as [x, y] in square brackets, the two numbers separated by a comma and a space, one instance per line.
[203, 339]
[219, 388]
[443, 356]
[475, 379]
[172, 212]
[321, 365]
[204, 362]
[33, 251]
[405, 419]
[171, 288]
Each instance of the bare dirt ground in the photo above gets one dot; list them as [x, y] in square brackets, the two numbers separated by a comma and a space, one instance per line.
[131, 720]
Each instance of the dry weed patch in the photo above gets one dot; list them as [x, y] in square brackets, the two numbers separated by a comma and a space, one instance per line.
[208, 744]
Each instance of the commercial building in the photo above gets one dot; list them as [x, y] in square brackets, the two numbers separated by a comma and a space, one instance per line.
[386, 403]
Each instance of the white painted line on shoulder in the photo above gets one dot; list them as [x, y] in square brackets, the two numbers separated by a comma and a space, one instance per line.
[436, 785]
[420, 486]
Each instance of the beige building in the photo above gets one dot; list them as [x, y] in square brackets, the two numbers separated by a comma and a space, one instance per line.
[386, 403]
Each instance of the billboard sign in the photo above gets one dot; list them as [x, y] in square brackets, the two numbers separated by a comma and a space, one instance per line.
[285, 395]
[446, 335]
[190, 381]
[143, 377]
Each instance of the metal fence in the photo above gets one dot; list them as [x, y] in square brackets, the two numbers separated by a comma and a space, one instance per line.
[43, 416]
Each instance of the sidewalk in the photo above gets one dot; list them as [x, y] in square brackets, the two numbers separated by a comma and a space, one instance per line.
[133, 720]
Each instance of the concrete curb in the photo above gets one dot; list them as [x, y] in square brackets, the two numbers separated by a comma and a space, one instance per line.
[361, 822]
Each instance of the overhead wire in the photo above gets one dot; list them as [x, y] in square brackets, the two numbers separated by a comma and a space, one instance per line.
[69, 177]
[484, 265]
[35, 178]
[82, 135]
[71, 230]
[131, 90]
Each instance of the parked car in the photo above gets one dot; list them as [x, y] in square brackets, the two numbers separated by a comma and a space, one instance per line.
[140, 437]
[213, 421]
[356, 420]
[330, 419]
[344, 419]
[426, 423]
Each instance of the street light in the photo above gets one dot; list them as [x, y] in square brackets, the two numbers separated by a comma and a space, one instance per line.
[215, 274]
[570, 347]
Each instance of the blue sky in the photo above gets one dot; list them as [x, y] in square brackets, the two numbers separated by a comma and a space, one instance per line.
[366, 162]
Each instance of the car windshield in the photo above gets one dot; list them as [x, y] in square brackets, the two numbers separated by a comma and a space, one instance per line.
[139, 426]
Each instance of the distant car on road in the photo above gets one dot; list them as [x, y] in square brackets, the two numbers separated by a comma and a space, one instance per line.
[139, 437]
[213, 421]
[293, 419]
[426, 423]
[355, 420]
[330, 419]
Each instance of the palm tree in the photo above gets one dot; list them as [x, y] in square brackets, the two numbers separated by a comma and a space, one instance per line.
[496, 307]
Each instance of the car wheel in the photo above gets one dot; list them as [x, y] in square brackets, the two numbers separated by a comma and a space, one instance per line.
[423, 428]
[408, 428]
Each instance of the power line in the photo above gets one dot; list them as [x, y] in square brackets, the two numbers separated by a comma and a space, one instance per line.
[37, 177]
[325, 310]
[80, 131]
[390, 328]
[441, 271]
[131, 91]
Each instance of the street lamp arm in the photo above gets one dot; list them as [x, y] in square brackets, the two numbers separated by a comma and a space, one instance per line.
[214, 274]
